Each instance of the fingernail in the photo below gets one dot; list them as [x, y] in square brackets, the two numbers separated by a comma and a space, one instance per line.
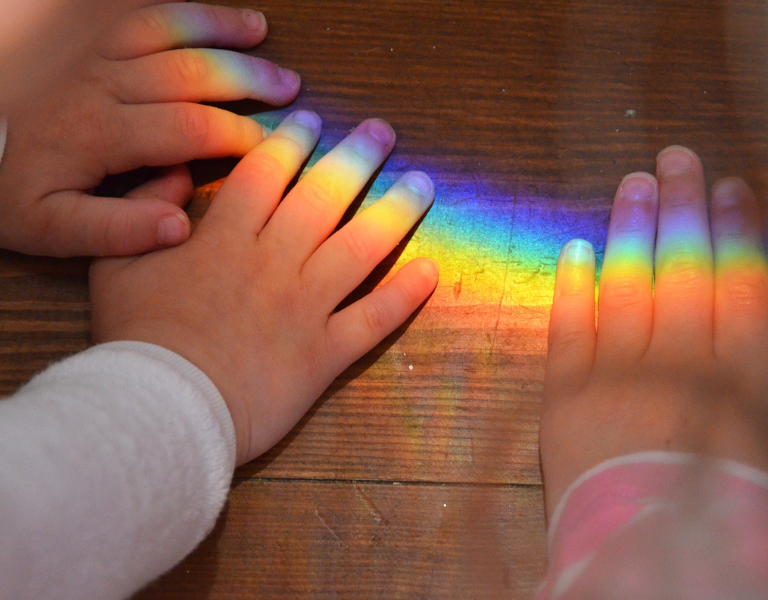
[729, 191]
[289, 78]
[254, 19]
[578, 251]
[675, 160]
[640, 187]
[308, 119]
[172, 230]
[381, 131]
[430, 270]
[421, 185]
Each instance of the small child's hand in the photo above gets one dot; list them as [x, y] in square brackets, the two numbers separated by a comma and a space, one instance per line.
[134, 102]
[678, 364]
[250, 298]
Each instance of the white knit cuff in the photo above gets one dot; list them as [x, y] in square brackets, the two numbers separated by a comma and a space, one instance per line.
[115, 464]
[222, 420]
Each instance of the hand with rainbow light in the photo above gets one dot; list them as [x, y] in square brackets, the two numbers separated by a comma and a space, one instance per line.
[251, 298]
[653, 430]
[679, 359]
[134, 101]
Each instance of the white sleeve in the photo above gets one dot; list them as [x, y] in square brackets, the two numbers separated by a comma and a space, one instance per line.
[114, 465]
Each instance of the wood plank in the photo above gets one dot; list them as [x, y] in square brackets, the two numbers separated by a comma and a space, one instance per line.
[351, 540]
[44, 314]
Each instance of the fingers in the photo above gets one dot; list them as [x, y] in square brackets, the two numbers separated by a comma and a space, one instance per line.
[741, 274]
[75, 224]
[184, 25]
[349, 256]
[626, 280]
[158, 135]
[357, 329]
[254, 188]
[684, 283]
[572, 321]
[314, 207]
[204, 75]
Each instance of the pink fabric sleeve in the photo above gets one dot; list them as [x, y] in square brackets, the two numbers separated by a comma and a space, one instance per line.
[3, 134]
[661, 525]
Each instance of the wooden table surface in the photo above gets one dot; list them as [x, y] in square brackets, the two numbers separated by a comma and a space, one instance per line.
[416, 474]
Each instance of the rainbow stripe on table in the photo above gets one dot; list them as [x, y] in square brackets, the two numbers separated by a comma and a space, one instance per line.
[495, 249]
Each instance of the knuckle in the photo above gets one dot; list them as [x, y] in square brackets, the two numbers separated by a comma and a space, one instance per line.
[680, 203]
[109, 234]
[633, 221]
[213, 16]
[376, 317]
[682, 268]
[265, 166]
[153, 20]
[746, 293]
[192, 125]
[574, 285]
[567, 340]
[408, 293]
[191, 67]
[636, 226]
[321, 196]
[239, 134]
[113, 234]
[49, 222]
[358, 245]
[622, 294]
[290, 151]
[398, 212]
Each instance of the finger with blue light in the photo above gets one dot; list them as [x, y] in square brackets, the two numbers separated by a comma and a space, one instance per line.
[741, 271]
[625, 314]
[313, 209]
[683, 287]
[342, 263]
[185, 25]
[211, 75]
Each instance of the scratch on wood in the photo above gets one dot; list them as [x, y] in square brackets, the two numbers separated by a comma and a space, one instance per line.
[371, 506]
[462, 200]
[506, 273]
[329, 528]
[457, 286]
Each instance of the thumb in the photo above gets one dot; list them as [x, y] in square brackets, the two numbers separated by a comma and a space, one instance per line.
[148, 218]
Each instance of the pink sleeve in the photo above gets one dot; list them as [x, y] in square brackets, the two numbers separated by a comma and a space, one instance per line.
[659, 524]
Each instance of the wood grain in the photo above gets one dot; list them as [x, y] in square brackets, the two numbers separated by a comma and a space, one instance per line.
[291, 539]
[527, 99]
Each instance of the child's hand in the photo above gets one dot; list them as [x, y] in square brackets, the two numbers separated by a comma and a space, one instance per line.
[250, 297]
[134, 102]
[681, 365]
